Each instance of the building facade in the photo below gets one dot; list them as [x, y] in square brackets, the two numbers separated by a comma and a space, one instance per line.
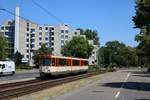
[8, 31]
[93, 59]
[25, 36]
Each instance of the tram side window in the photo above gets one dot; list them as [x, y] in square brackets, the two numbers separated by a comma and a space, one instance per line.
[68, 62]
[53, 62]
[62, 62]
[82, 63]
[76, 63]
[46, 62]
[85, 62]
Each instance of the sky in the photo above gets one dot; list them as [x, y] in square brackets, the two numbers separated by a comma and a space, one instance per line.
[111, 18]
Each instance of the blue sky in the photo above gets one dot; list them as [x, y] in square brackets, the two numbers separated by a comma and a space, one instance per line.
[111, 18]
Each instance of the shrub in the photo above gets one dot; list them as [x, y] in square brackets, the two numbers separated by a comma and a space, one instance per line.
[93, 68]
[113, 65]
[23, 66]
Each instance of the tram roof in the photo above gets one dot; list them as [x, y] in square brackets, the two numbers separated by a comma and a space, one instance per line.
[63, 57]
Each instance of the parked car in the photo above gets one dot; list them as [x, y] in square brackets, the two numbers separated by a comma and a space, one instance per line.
[7, 67]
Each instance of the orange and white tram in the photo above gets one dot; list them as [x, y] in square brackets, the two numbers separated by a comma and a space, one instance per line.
[55, 65]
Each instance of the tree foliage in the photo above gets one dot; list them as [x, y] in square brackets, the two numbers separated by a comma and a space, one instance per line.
[77, 47]
[3, 48]
[91, 35]
[116, 53]
[142, 21]
[42, 50]
[142, 17]
[18, 58]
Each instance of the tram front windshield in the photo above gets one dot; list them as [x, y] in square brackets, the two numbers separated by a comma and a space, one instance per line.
[46, 62]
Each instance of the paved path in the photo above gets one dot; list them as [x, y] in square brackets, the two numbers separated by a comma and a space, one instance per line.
[121, 85]
[21, 75]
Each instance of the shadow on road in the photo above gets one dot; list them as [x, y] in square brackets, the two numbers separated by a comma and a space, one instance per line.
[137, 72]
[6, 75]
[130, 85]
[142, 86]
[147, 75]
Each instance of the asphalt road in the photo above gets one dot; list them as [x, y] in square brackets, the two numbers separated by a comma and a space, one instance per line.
[21, 75]
[132, 84]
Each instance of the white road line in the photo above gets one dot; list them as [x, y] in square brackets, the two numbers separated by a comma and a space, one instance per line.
[116, 96]
[118, 93]
[125, 80]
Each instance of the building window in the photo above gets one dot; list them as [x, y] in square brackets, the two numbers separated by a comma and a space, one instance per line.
[52, 43]
[27, 34]
[52, 38]
[66, 31]
[46, 38]
[32, 40]
[40, 28]
[52, 49]
[32, 35]
[62, 31]
[9, 22]
[62, 46]
[6, 33]
[28, 24]
[66, 36]
[22, 56]
[62, 41]
[32, 45]
[40, 38]
[27, 29]
[27, 50]
[46, 28]
[27, 56]
[27, 45]
[52, 33]
[47, 34]
[2, 28]
[40, 43]
[46, 44]
[62, 36]
[52, 28]
[27, 40]
[7, 27]
[40, 33]
[75, 33]
[32, 30]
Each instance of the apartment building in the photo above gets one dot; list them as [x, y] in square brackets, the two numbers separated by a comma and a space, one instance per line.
[25, 36]
[8, 30]
[93, 59]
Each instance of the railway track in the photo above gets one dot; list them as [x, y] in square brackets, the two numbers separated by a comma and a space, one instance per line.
[17, 89]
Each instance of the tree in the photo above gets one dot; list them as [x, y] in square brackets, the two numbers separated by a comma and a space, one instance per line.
[90, 35]
[18, 58]
[142, 21]
[42, 50]
[3, 48]
[142, 17]
[116, 53]
[77, 47]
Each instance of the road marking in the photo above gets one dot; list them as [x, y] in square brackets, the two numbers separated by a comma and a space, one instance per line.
[125, 80]
[116, 96]
[118, 93]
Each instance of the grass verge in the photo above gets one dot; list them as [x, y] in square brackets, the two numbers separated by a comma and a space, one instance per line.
[50, 93]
